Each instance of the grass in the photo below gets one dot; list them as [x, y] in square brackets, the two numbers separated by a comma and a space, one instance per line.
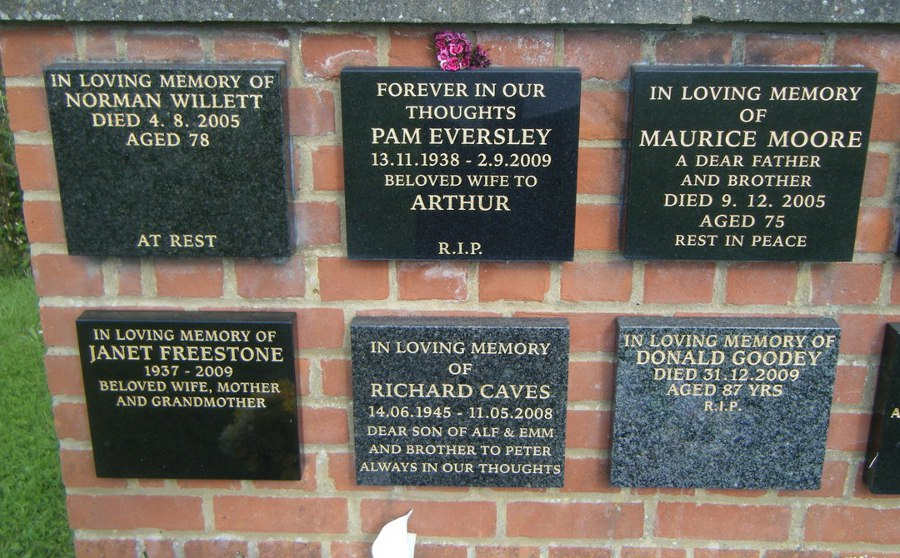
[32, 501]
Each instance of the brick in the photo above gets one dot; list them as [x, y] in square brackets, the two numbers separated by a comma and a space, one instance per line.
[302, 367]
[37, 167]
[849, 524]
[208, 484]
[61, 275]
[252, 46]
[761, 283]
[163, 46]
[722, 522]
[863, 334]
[878, 166]
[588, 429]
[440, 551]
[336, 377]
[328, 168]
[431, 518]
[157, 548]
[834, 475]
[189, 279]
[797, 554]
[175, 513]
[634, 552]
[590, 381]
[895, 285]
[324, 426]
[716, 553]
[100, 43]
[432, 281]
[351, 550]
[104, 548]
[507, 552]
[596, 281]
[845, 283]
[294, 549]
[850, 384]
[310, 112]
[325, 56]
[27, 50]
[601, 171]
[679, 282]
[736, 492]
[513, 281]
[130, 278]
[77, 467]
[884, 118]
[71, 421]
[573, 552]
[848, 431]
[603, 54]
[777, 48]
[27, 109]
[307, 480]
[318, 224]
[870, 555]
[596, 227]
[873, 231]
[280, 515]
[877, 51]
[411, 47]
[343, 279]
[574, 521]
[522, 48]
[587, 475]
[589, 332]
[43, 221]
[700, 48]
[215, 548]
[63, 374]
[603, 115]
[268, 279]
[342, 470]
[320, 328]
[58, 325]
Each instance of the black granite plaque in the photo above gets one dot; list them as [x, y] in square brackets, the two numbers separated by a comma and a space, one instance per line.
[476, 165]
[171, 160]
[751, 163]
[722, 402]
[459, 401]
[191, 394]
[882, 471]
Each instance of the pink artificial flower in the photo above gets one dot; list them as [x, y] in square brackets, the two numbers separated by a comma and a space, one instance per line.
[454, 52]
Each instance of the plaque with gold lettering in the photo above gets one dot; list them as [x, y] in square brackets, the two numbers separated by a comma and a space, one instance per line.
[722, 402]
[882, 470]
[161, 160]
[459, 401]
[746, 163]
[209, 395]
[474, 165]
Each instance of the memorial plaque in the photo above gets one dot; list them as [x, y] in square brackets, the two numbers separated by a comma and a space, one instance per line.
[474, 165]
[750, 163]
[722, 402]
[208, 395]
[459, 401]
[882, 471]
[171, 160]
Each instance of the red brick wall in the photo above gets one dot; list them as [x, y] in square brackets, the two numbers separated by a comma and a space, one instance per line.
[326, 514]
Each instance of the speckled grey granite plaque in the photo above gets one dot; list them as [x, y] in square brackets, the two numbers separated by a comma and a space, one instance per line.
[882, 471]
[171, 160]
[722, 402]
[459, 401]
